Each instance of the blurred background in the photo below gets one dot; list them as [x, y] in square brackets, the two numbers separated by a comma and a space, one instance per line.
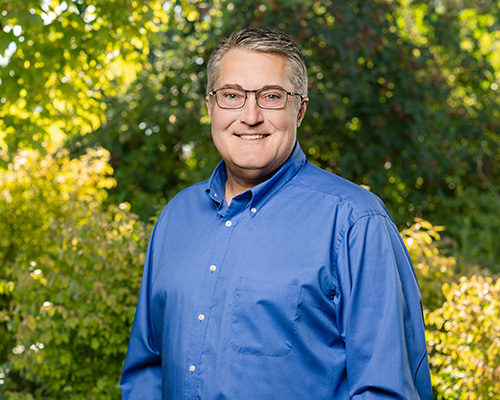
[103, 120]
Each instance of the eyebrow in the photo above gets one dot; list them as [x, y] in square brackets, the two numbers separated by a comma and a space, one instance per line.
[236, 86]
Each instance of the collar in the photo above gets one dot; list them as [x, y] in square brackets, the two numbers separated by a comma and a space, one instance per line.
[261, 193]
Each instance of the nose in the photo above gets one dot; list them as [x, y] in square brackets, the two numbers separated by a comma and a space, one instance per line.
[251, 113]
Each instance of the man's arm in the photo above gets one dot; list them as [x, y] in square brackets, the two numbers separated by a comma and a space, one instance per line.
[381, 314]
[141, 375]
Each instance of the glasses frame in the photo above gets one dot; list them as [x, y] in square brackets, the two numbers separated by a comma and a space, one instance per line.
[256, 91]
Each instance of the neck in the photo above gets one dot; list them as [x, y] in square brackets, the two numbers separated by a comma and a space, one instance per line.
[236, 184]
[234, 188]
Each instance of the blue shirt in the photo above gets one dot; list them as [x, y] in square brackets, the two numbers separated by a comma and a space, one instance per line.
[301, 289]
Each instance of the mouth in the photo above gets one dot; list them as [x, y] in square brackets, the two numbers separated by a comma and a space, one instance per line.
[252, 136]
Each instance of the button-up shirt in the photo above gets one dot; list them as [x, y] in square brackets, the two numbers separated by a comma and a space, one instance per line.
[301, 289]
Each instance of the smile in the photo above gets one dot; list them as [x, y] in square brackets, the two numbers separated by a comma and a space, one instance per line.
[252, 137]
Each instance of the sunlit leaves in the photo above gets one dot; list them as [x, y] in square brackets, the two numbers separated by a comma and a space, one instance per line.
[420, 80]
[404, 99]
[464, 340]
[56, 184]
[70, 276]
[462, 318]
[67, 56]
[432, 267]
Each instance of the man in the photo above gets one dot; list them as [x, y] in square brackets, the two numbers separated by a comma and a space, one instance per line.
[273, 279]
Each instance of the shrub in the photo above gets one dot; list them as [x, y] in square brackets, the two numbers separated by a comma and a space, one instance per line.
[432, 267]
[464, 340]
[71, 270]
[461, 316]
[72, 274]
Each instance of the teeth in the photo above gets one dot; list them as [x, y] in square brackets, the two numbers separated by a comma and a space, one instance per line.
[251, 137]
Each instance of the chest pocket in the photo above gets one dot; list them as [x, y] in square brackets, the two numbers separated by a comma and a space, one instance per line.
[263, 317]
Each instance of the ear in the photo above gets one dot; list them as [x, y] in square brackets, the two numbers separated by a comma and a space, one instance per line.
[208, 103]
[302, 110]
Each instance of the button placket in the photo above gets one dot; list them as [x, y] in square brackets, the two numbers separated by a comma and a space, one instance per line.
[201, 319]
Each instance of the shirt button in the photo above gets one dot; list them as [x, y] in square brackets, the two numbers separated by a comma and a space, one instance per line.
[228, 223]
[213, 268]
[253, 210]
[201, 317]
[192, 368]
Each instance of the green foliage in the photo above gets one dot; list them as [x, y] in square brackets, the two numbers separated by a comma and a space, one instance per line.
[36, 193]
[464, 40]
[155, 132]
[60, 58]
[404, 99]
[476, 230]
[158, 131]
[433, 268]
[464, 340]
[73, 272]
[462, 317]
[71, 303]
[404, 95]
[57, 186]
[16, 396]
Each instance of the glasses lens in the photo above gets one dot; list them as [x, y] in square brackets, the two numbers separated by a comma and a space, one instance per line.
[271, 98]
[230, 98]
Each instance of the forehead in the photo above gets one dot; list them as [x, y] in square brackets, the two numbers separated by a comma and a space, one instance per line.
[252, 70]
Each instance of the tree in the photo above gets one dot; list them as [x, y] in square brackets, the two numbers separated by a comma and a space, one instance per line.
[60, 59]
[404, 95]
[403, 100]
[463, 39]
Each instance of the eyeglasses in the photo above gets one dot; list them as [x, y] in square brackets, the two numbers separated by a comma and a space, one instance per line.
[267, 98]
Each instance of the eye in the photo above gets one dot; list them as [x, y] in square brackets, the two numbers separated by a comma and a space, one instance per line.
[271, 95]
[232, 94]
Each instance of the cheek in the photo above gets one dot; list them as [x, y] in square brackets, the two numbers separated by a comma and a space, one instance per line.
[221, 121]
[289, 121]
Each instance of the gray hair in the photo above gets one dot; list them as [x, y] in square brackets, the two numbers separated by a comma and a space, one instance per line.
[265, 40]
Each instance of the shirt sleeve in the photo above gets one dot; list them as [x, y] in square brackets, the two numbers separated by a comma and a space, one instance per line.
[141, 375]
[380, 314]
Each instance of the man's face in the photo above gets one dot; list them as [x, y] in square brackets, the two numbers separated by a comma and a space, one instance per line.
[254, 142]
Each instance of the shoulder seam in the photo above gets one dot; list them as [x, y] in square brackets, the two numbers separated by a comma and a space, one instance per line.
[359, 214]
